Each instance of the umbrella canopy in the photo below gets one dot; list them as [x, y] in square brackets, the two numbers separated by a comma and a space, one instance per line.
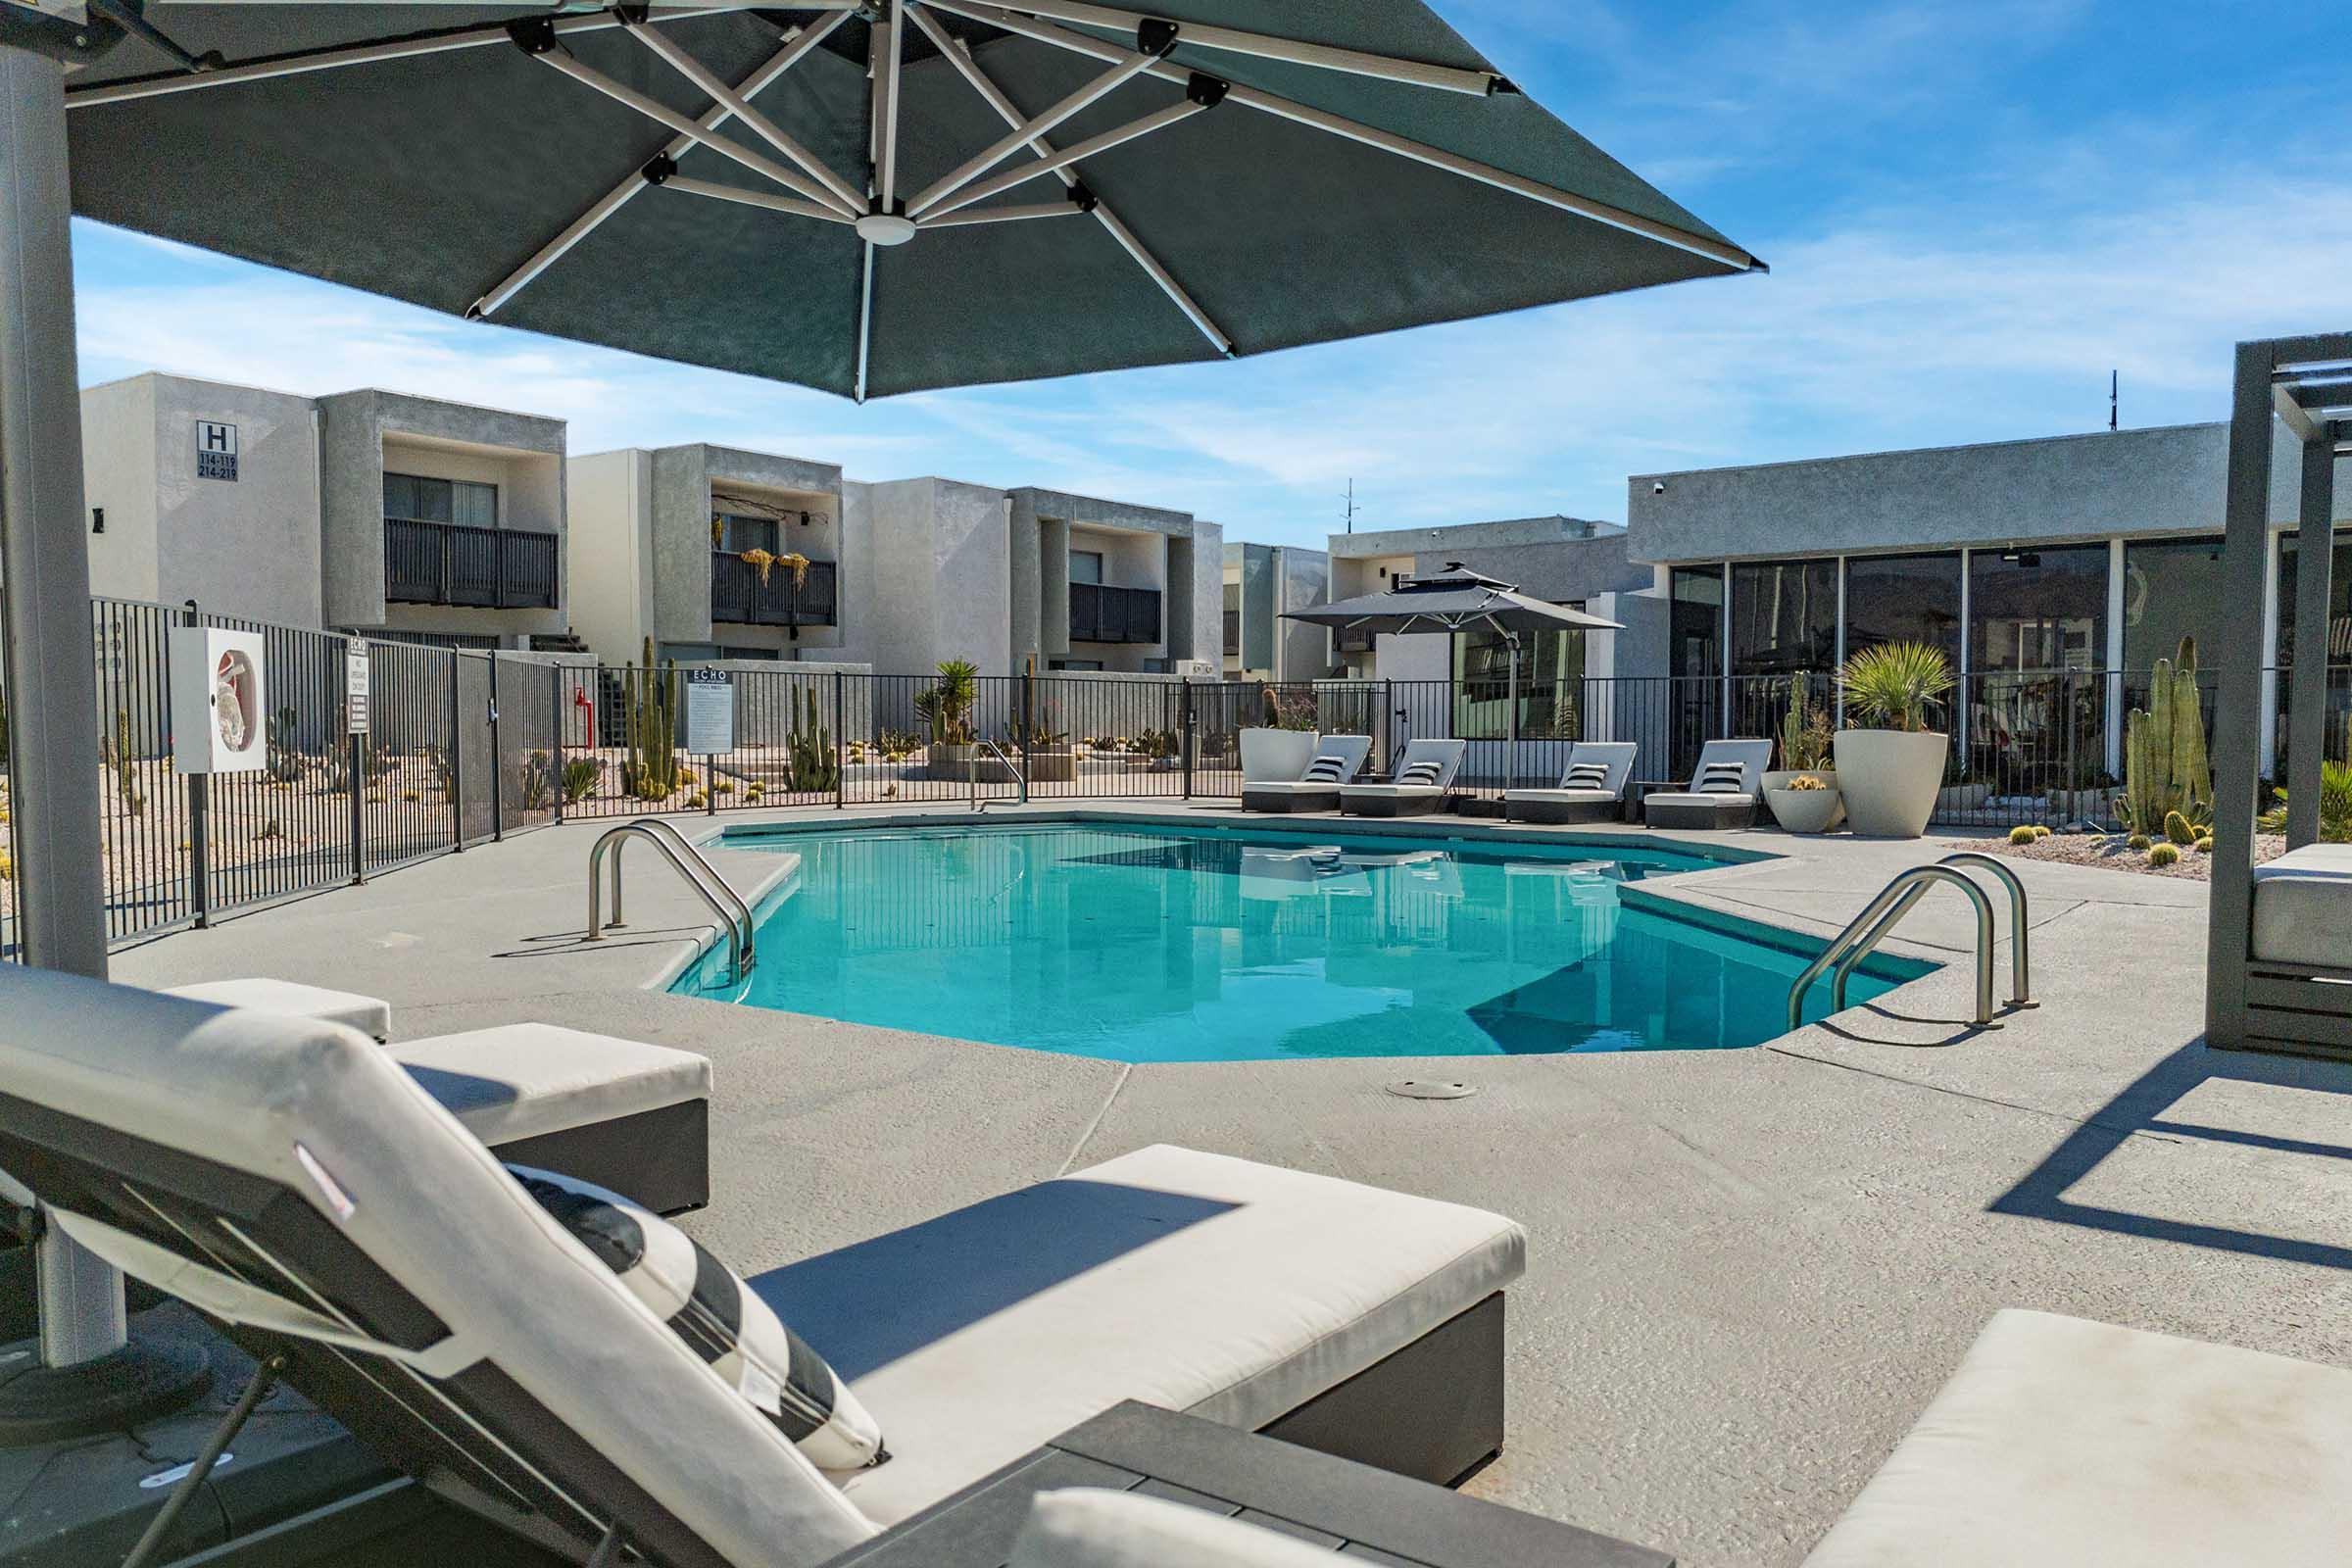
[867, 196]
[1451, 603]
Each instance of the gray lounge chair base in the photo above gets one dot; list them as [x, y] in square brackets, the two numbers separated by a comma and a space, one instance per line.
[1282, 801]
[1683, 814]
[1363, 804]
[1556, 814]
[660, 1159]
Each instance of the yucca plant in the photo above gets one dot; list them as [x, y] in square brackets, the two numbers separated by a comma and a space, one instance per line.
[1894, 685]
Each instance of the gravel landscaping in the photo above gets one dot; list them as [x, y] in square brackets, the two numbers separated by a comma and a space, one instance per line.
[2113, 852]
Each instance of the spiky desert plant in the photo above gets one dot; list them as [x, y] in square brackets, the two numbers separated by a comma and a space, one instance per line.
[2204, 846]
[2178, 828]
[2042, 830]
[1892, 685]
[2165, 766]
[2166, 854]
[2023, 835]
[1804, 730]
[127, 768]
[2335, 805]
[2138, 841]
[649, 768]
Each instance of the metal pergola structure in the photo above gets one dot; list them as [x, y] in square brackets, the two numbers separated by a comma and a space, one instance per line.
[2303, 384]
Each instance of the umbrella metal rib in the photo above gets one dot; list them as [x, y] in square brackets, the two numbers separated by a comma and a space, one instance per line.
[795, 50]
[982, 84]
[987, 158]
[845, 195]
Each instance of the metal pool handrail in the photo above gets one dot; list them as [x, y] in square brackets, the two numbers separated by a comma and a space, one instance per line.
[698, 873]
[2020, 936]
[1020, 777]
[1866, 929]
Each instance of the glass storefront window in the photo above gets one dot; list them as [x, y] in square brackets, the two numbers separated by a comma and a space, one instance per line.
[1694, 658]
[1551, 684]
[2172, 589]
[2037, 610]
[1903, 599]
[1784, 618]
[2340, 599]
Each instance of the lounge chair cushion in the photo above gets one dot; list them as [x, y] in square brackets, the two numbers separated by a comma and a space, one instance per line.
[1567, 797]
[737, 1335]
[1409, 792]
[369, 1015]
[523, 1080]
[1195, 1282]
[2060, 1440]
[1291, 786]
[1718, 799]
[2303, 907]
[1091, 1527]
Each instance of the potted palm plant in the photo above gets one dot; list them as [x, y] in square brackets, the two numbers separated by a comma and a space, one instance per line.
[1280, 748]
[946, 708]
[1890, 764]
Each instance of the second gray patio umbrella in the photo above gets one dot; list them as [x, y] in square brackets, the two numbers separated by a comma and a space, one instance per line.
[1458, 599]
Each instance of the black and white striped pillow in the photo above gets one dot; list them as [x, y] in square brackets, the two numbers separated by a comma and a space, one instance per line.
[1586, 776]
[1326, 770]
[1421, 773]
[707, 1307]
[1722, 778]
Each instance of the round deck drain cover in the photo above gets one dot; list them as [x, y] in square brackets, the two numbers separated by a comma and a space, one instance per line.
[1429, 1088]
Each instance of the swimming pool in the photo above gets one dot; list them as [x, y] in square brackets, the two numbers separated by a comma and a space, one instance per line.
[1149, 944]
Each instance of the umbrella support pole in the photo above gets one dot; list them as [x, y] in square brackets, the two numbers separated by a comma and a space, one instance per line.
[1510, 751]
[90, 1377]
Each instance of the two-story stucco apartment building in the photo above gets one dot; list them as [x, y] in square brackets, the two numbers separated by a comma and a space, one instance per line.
[368, 511]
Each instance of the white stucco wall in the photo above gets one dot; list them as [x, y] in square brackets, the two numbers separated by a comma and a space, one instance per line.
[612, 552]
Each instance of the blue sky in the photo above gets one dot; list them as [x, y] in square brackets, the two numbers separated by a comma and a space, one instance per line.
[1972, 213]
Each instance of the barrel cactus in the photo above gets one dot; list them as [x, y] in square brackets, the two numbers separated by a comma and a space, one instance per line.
[2166, 771]
[2163, 855]
[2021, 835]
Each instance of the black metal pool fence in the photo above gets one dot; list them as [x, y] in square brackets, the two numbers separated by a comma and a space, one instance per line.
[466, 746]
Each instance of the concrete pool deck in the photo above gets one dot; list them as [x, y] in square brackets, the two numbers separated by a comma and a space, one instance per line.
[1748, 1269]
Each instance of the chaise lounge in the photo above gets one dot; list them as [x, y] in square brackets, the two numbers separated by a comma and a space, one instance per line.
[1424, 773]
[1592, 787]
[1723, 790]
[1337, 760]
[287, 1178]
[2064, 1442]
[2300, 971]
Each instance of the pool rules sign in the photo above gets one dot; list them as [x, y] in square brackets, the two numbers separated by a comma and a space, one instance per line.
[710, 711]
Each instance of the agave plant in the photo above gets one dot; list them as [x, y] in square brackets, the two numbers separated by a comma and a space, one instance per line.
[947, 706]
[2335, 805]
[1894, 685]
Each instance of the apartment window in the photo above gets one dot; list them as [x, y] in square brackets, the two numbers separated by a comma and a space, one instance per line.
[1551, 676]
[1783, 617]
[736, 533]
[421, 499]
[1074, 663]
[1903, 599]
[2037, 610]
[751, 653]
[2172, 589]
[1086, 565]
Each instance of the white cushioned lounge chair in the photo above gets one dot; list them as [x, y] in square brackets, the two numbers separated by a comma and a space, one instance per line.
[1722, 793]
[291, 1179]
[1337, 760]
[2299, 985]
[1592, 787]
[2060, 1441]
[1424, 773]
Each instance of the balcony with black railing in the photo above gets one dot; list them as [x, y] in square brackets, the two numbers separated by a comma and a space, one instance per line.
[1351, 640]
[454, 564]
[738, 598]
[1100, 614]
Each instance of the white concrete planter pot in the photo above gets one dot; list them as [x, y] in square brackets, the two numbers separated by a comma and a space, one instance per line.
[1275, 756]
[1889, 778]
[1804, 810]
[1051, 768]
[950, 762]
[1779, 780]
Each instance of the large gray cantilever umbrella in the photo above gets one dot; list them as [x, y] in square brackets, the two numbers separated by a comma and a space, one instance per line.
[1457, 601]
[863, 196]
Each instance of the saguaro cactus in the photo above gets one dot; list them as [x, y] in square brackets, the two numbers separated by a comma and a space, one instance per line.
[812, 763]
[648, 722]
[2166, 772]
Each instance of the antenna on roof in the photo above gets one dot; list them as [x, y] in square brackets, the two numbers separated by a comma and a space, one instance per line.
[2115, 387]
[1349, 515]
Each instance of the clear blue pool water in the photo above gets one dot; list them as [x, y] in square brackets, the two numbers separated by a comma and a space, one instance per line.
[1136, 943]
